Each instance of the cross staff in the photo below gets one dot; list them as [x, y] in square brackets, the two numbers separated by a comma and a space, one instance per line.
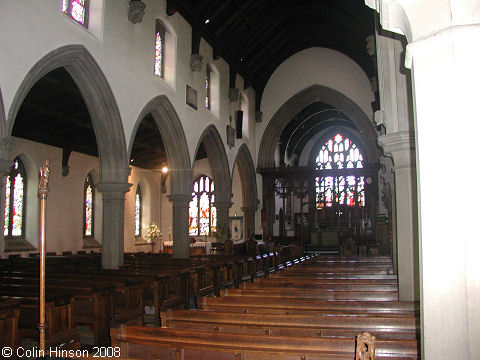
[42, 194]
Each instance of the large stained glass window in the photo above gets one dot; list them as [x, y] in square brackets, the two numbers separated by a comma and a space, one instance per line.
[89, 207]
[159, 49]
[15, 191]
[138, 212]
[208, 86]
[201, 212]
[339, 153]
[77, 10]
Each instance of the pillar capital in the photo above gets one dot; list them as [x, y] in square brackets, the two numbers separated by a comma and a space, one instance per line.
[113, 191]
[178, 199]
[223, 204]
[401, 147]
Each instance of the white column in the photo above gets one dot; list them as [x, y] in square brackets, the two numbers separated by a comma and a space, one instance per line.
[401, 147]
[444, 54]
[447, 77]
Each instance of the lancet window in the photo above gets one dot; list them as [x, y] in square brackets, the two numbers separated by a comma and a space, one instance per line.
[89, 207]
[77, 10]
[15, 195]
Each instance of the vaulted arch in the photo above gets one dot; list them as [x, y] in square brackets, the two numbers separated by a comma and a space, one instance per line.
[218, 161]
[246, 170]
[100, 101]
[217, 158]
[247, 174]
[174, 140]
[299, 102]
[107, 124]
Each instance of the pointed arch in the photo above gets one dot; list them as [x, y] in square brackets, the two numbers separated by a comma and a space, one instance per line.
[3, 120]
[246, 170]
[173, 136]
[218, 161]
[99, 99]
[299, 102]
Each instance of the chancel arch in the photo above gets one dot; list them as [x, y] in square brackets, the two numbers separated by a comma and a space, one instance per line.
[105, 119]
[212, 145]
[300, 101]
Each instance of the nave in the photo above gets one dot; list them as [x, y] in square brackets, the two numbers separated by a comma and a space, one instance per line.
[267, 306]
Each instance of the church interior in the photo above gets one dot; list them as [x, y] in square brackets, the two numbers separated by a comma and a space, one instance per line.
[224, 179]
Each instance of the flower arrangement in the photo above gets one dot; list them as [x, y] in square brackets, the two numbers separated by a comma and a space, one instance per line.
[218, 232]
[153, 233]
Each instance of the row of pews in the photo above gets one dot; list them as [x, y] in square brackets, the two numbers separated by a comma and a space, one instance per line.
[312, 310]
[82, 294]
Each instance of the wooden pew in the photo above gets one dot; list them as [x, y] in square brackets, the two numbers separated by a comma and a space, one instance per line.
[58, 310]
[298, 293]
[9, 314]
[165, 343]
[252, 304]
[383, 327]
[92, 302]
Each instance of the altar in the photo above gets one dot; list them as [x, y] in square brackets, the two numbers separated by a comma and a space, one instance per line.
[196, 248]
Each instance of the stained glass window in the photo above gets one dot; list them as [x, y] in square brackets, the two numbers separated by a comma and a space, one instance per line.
[77, 10]
[138, 212]
[208, 89]
[15, 192]
[339, 153]
[201, 212]
[89, 207]
[159, 49]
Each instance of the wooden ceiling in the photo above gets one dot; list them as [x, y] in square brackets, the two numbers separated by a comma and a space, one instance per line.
[256, 36]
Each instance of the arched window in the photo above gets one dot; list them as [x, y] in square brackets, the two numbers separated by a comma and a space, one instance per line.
[15, 195]
[138, 212]
[77, 10]
[159, 49]
[202, 214]
[88, 207]
[336, 187]
[208, 89]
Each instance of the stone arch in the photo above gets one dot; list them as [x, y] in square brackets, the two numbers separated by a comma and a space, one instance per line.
[246, 170]
[247, 174]
[173, 136]
[218, 161]
[307, 97]
[107, 124]
[4, 142]
[99, 99]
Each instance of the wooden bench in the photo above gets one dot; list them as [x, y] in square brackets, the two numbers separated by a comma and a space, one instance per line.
[384, 327]
[165, 343]
[276, 293]
[9, 314]
[58, 309]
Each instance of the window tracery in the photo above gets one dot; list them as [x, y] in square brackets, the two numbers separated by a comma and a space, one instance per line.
[332, 189]
[201, 212]
[15, 195]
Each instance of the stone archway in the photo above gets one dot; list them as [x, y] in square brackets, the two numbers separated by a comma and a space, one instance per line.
[218, 161]
[299, 102]
[246, 170]
[105, 116]
[173, 136]
[5, 163]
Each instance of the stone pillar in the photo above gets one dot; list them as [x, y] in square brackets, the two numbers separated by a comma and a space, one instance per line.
[113, 223]
[447, 78]
[443, 53]
[181, 240]
[401, 147]
[222, 216]
[248, 220]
